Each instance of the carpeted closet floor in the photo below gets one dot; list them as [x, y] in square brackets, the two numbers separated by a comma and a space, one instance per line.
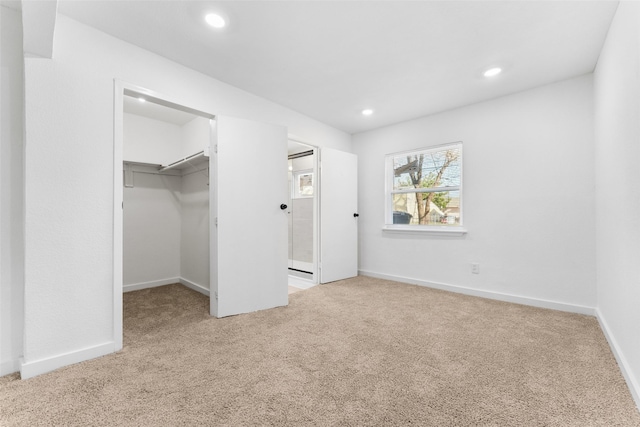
[351, 353]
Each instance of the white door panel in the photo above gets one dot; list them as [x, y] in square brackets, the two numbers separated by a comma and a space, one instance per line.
[338, 225]
[249, 271]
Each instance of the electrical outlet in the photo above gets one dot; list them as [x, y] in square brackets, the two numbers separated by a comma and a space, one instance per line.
[475, 267]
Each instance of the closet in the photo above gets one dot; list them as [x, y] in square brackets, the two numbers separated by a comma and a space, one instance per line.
[166, 226]
[201, 199]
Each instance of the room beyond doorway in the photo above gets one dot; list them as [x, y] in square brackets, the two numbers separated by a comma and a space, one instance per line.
[302, 215]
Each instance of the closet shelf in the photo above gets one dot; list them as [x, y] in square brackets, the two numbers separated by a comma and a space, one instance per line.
[142, 164]
[190, 161]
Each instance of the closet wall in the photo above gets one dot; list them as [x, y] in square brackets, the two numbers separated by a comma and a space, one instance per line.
[152, 222]
[166, 215]
[194, 221]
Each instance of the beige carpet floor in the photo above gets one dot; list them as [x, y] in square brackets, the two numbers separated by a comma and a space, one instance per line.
[360, 352]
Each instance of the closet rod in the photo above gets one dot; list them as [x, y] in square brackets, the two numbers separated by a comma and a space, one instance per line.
[181, 162]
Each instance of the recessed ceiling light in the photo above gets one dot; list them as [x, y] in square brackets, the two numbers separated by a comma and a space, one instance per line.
[367, 112]
[215, 20]
[491, 72]
[142, 99]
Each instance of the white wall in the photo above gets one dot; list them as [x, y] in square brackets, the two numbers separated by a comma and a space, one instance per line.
[528, 199]
[69, 179]
[194, 244]
[195, 236]
[617, 142]
[152, 220]
[194, 136]
[11, 191]
[301, 163]
[150, 141]
[166, 217]
[152, 207]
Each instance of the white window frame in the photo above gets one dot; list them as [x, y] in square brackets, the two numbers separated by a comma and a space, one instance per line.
[389, 226]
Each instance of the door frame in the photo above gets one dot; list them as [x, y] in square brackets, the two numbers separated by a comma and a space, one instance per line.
[120, 89]
[316, 207]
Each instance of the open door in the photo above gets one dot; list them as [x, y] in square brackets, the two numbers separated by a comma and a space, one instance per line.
[248, 216]
[338, 215]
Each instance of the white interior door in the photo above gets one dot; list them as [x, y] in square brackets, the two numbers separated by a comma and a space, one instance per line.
[249, 185]
[338, 215]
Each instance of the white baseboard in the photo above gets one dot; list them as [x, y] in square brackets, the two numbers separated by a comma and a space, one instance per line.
[534, 302]
[192, 285]
[152, 284]
[146, 285]
[37, 367]
[9, 367]
[632, 383]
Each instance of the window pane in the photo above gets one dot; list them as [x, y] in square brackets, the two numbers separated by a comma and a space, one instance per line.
[302, 184]
[305, 184]
[439, 209]
[427, 169]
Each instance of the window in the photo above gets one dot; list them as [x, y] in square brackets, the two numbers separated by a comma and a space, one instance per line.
[424, 189]
[303, 184]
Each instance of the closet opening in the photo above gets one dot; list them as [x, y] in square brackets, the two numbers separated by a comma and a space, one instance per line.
[166, 195]
[302, 216]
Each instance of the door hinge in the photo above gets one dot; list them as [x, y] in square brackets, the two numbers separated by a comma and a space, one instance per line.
[216, 221]
[215, 148]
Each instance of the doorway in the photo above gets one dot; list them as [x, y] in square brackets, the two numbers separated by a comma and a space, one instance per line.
[161, 195]
[166, 197]
[302, 215]
[166, 237]
[241, 154]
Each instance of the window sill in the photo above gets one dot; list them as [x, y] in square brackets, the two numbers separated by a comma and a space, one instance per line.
[435, 231]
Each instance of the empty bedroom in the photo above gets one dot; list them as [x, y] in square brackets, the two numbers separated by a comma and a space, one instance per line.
[320, 213]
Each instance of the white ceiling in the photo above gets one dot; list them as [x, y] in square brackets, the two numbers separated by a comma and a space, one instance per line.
[331, 59]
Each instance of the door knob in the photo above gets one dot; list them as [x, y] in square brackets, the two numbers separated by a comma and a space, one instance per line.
[355, 215]
[283, 206]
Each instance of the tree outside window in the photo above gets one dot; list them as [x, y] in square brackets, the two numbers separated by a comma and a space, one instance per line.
[424, 187]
